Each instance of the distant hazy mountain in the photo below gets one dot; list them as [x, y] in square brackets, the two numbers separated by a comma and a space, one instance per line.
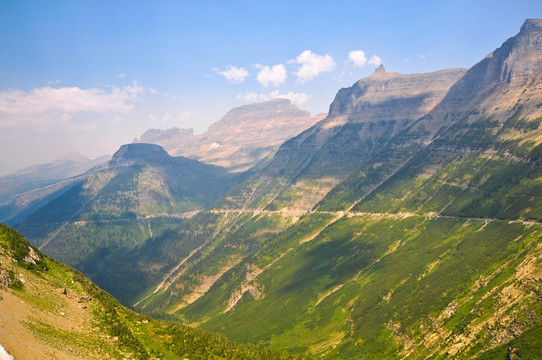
[26, 190]
[68, 166]
[244, 136]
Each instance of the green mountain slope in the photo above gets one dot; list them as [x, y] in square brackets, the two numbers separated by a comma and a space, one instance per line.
[51, 311]
[250, 215]
[430, 245]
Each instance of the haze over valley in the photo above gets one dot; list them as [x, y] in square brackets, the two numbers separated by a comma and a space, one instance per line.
[403, 220]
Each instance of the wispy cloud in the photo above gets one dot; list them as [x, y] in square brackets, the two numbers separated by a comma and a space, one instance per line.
[296, 98]
[69, 100]
[275, 74]
[312, 65]
[233, 74]
[47, 108]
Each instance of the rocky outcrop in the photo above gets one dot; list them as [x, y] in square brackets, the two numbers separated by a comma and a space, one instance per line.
[367, 115]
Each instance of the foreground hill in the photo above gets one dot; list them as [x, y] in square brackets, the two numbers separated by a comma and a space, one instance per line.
[244, 136]
[48, 310]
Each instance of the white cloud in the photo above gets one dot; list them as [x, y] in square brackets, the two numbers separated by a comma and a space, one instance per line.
[312, 65]
[357, 57]
[275, 75]
[121, 76]
[234, 74]
[296, 98]
[375, 60]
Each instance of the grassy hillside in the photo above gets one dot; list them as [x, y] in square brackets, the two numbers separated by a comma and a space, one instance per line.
[48, 310]
[393, 277]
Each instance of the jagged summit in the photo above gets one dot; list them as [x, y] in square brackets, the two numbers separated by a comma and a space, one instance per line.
[380, 69]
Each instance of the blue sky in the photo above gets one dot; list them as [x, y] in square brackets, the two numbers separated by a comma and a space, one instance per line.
[88, 76]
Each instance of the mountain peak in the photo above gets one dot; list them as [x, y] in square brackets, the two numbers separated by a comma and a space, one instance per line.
[531, 25]
[254, 115]
[137, 154]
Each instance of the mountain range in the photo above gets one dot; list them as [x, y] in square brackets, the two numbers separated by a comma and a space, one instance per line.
[243, 137]
[405, 224]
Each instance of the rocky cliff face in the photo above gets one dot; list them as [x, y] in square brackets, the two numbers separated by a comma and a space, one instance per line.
[505, 81]
[244, 136]
[386, 96]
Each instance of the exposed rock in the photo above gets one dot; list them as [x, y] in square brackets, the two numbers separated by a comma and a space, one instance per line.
[386, 96]
[32, 257]
[5, 280]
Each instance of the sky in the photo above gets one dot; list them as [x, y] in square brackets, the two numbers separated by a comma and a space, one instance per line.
[89, 76]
